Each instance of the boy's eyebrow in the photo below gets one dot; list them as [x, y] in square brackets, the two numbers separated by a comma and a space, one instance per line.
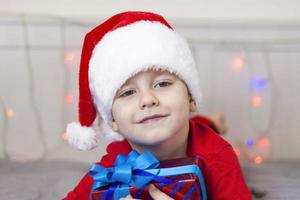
[122, 88]
[130, 83]
[165, 75]
[127, 83]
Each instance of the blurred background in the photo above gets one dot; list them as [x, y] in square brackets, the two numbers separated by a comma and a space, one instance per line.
[247, 53]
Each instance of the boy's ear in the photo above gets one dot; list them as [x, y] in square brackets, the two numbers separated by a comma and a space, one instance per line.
[192, 104]
[115, 127]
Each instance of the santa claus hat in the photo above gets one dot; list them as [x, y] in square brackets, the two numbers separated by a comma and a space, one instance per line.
[114, 51]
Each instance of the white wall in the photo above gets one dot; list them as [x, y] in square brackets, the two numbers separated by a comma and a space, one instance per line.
[227, 10]
[35, 88]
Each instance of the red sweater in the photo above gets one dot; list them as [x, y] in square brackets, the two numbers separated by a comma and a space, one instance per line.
[222, 173]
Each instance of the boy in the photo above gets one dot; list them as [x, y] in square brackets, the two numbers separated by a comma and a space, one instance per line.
[139, 75]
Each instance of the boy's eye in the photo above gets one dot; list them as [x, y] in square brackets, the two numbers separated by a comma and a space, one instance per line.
[127, 93]
[163, 84]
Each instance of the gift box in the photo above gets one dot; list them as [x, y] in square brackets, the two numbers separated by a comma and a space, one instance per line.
[178, 178]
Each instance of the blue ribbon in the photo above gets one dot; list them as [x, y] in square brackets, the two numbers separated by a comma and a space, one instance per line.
[136, 170]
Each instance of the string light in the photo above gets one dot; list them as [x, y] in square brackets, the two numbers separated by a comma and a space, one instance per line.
[263, 142]
[259, 85]
[238, 63]
[250, 142]
[65, 136]
[256, 101]
[69, 98]
[70, 58]
[258, 160]
[9, 112]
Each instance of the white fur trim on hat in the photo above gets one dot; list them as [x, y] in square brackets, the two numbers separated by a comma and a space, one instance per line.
[128, 50]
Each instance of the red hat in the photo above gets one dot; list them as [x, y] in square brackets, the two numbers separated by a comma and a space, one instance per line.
[114, 51]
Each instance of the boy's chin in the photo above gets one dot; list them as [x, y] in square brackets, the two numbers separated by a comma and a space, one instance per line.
[148, 143]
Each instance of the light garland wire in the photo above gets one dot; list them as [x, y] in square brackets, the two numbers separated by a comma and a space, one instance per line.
[273, 94]
[218, 47]
[259, 132]
[4, 129]
[32, 92]
[66, 84]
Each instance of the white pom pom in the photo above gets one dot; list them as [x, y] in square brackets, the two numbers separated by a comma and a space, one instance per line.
[82, 137]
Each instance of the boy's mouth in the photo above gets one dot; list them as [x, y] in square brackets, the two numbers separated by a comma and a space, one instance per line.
[152, 118]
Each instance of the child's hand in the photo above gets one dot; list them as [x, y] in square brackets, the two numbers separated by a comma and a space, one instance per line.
[155, 193]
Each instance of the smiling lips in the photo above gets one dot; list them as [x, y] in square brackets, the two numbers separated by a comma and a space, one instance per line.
[152, 118]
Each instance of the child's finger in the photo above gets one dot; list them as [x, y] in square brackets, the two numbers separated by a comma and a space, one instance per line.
[156, 194]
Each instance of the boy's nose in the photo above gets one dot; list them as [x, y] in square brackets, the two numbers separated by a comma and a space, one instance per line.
[148, 100]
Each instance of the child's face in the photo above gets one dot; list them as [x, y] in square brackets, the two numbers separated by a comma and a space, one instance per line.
[147, 94]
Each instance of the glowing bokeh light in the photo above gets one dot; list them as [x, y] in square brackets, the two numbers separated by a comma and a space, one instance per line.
[65, 136]
[250, 143]
[238, 63]
[69, 98]
[259, 85]
[69, 57]
[263, 142]
[9, 112]
[256, 101]
[258, 160]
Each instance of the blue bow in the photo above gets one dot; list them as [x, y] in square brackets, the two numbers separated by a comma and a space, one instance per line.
[128, 171]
